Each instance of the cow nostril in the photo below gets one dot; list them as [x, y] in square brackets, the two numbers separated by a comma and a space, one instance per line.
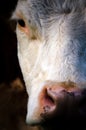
[48, 99]
[52, 101]
[48, 104]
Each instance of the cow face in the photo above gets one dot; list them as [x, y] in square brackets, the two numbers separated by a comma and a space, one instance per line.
[52, 55]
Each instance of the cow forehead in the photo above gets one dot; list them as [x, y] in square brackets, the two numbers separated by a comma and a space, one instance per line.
[57, 5]
[47, 8]
[44, 13]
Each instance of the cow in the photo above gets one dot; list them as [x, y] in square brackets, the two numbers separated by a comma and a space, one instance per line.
[51, 47]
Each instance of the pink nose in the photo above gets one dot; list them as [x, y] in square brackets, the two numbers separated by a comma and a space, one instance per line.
[60, 99]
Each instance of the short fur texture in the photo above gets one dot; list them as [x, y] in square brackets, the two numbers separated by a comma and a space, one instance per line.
[58, 52]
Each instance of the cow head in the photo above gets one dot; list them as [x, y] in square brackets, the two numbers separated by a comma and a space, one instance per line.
[52, 55]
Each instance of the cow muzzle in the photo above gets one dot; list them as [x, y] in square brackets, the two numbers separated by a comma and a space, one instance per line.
[62, 100]
[59, 102]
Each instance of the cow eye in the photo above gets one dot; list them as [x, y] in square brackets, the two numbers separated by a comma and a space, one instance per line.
[21, 23]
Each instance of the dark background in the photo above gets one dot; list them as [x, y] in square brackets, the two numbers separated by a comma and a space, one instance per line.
[9, 67]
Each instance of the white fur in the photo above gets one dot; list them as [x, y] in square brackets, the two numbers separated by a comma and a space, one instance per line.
[54, 60]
